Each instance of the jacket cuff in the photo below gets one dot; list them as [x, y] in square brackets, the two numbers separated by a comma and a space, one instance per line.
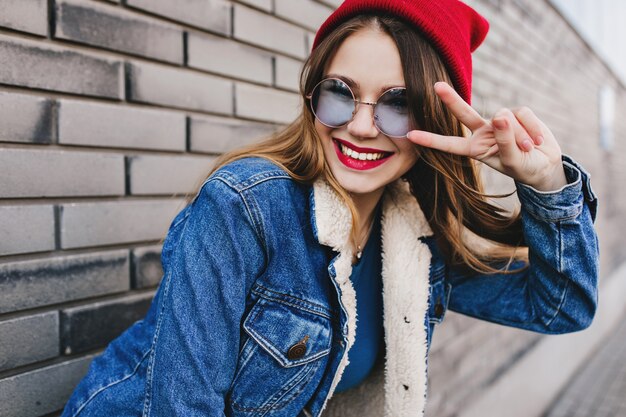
[564, 203]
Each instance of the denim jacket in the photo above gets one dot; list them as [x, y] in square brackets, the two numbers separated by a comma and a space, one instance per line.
[256, 313]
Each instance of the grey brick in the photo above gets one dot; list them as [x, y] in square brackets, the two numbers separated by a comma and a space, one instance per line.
[26, 118]
[147, 267]
[303, 12]
[34, 283]
[331, 3]
[29, 339]
[43, 390]
[212, 15]
[114, 28]
[58, 69]
[93, 326]
[218, 134]
[91, 124]
[26, 16]
[26, 229]
[156, 84]
[266, 104]
[238, 60]
[45, 173]
[259, 4]
[105, 223]
[252, 26]
[288, 73]
[167, 174]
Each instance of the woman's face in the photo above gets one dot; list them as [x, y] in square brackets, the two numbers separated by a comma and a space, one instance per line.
[371, 59]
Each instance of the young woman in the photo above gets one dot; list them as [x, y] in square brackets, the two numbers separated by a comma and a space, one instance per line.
[306, 275]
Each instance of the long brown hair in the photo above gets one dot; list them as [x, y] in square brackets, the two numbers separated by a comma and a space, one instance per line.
[447, 187]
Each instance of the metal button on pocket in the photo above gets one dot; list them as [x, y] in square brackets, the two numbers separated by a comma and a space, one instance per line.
[298, 350]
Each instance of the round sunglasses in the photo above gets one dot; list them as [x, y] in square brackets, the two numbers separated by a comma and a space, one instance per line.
[333, 103]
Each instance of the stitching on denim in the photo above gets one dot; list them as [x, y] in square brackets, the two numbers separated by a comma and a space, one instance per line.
[281, 401]
[559, 231]
[242, 185]
[101, 389]
[299, 378]
[539, 217]
[269, 347]
[297, 299]
[242, 365]
[294, 387]
[174, 225]
[157, 331]
[256, 310]
[529, 191]
[299, 307]
[558, 310]
[257, 224]
[271, 404]
[258, 180]
[561, 243]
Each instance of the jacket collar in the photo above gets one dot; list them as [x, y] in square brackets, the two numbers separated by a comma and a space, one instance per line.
[405, 274]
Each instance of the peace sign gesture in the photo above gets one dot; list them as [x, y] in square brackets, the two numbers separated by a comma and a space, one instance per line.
[516, 143]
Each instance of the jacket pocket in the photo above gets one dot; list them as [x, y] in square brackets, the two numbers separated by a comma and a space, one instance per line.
[438, 301]
[285, 347]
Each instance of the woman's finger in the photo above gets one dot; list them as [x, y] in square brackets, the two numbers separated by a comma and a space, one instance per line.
[505, 136]
[491, 152]
[522, 137]
[463, 111]
[531, 124]
[451, 144]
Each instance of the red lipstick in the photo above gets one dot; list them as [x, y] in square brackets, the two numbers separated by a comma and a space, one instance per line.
[357, 163]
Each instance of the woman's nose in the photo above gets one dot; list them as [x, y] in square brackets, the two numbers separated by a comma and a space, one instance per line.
[362, 123]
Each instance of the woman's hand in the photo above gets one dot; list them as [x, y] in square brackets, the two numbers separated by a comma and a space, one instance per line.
[515, 143]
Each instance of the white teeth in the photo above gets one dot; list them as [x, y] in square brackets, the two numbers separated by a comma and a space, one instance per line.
[360, 156]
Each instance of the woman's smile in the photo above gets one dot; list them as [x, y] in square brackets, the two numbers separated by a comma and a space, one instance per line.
[359, 158]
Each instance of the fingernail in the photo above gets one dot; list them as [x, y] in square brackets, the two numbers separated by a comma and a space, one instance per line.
[500, 124]
[540, 139]
[527, 144]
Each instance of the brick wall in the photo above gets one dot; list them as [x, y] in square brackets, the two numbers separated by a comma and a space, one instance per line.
[110, 111]
[532, 57]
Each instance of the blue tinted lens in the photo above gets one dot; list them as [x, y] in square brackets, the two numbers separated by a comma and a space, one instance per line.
[391, 113]
[332, 102]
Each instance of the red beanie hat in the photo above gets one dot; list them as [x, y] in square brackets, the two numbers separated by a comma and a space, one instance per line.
[453, 28]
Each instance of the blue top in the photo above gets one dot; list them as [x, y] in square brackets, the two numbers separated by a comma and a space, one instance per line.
[367, 282]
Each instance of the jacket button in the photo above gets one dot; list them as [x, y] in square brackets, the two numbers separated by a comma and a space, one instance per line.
[298, 350]
[438, 309]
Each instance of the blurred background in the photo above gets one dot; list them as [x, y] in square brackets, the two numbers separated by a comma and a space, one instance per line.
[112, 111]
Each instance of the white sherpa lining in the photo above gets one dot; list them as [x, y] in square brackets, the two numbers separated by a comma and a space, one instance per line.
[405, 274]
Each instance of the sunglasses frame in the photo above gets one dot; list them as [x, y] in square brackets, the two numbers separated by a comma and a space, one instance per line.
[356, 102]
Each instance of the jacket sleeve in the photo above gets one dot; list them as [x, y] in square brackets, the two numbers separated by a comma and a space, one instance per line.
[211, 267]
[558, 292]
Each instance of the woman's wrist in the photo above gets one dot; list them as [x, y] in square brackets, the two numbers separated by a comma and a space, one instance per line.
[552, 182]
